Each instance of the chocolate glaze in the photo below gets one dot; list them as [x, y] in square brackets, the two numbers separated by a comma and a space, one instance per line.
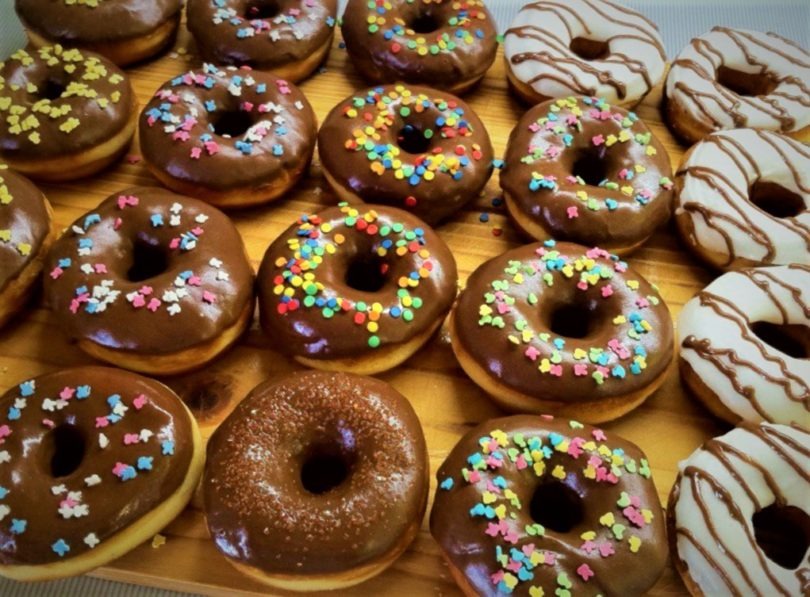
[162, 432]
[607, 217]
[229, 33]
[508, 360]
[257, 508]
[76, 23]
[24, 224]
[470, 548]
[466, 24]
[96, 103]
[139, 317]
[177, 128]
[342, 144]
[343, 332]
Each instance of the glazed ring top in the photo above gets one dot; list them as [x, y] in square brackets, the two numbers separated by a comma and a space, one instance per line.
[615, 333]
[626, 62]
[770, 73]
[745, 196]
[721, 491]
[717, 332]
[349, 281]
[56, 102]
[625, 200]
[226, 128]
[237, 32]
[85, 453]
[146, 261]
[329, 476]
[24, 224]
[531, 505]
[81, 21]
[434, 42]
[411, 147]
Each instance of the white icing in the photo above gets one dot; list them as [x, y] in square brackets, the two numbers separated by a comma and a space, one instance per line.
[771, 401]
[735, 538]
[696, 66]
[549, 27]
[733, 173]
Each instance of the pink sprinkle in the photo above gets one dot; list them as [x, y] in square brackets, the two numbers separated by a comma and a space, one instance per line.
[139, 402]
[620, 266]
[635, 500]
[553, 151]
[599, 435]
[180, 136]
[196, 152]
[596, 253]
[154, 305]
[514, 566]
[528, 549]
[194, 281]
[520, 462]
[571, 119]
[598, 140]
[146, 290]
[474, 477]
[67, 393]
[623, 173]
[209, 297]
[131, 438]
[100, 268]
[175, 242]
[634, 516]
[5, 431]
[607, 291]
[125, 200]
[532, 353]
[582, 285]
[585, 572]
[572, 211]
[492, 530]
[247, 106]
[606, 549]
[138, 301]
[494, 462]
[197, 231]
[503, 308]
[101, 422]
[551, 558]
[117, 223]
[534, 127]
[511, 537]
[56, 272]
[67, 503]
[497, 577]
[642, 302]
[48, 423]
[580, 370]
[211, 147]
[119, 469]
[571, 179]
[74, 306]
[556, 370]
[588, 547]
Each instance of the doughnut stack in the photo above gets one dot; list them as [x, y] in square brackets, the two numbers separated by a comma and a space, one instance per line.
[318, 477]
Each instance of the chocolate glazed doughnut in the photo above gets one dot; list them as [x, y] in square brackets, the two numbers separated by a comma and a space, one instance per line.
[355, 290]
[64, 114]
[411, 147]
[318, 481]
[579, 169]
[95, 461]
[557, 327]
[289, 38]
[447, 44]
[151, 281]
[26, 234]
[532, 506]
[123, 31]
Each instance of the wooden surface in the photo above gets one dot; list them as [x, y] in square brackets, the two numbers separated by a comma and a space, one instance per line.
[669, 426]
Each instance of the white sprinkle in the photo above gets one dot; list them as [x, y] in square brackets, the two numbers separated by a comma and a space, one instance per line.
[103, 441]
[174, 309]
[77, 229]
[5, 457]
[201, 219]
[91, 540]
[214, 262]
[4, 511]
[222, 276]
[176, 208]
[92, 480]
[58, 489]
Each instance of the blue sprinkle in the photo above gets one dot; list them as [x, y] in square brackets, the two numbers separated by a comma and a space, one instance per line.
[3, 493]
[27, 388]
[13, 413]
[113, 400]
[555, 439]
[447, 484]
[167, 447]
[90, 220]
[61, 547]
[18, 526]
[82, 392]
[65, 263]
[128, 473]
[157, 220]
[145, 463]
[278, 150]
[210, 105]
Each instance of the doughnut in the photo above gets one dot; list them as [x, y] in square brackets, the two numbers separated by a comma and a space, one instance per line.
[742, 199]
[64, 114]
[582, 170]
[355, 289]
[26, 234]
[151, 281]
[515, 514]
[123, 31]
[232, 137]
[560, 328]
[447, 44]
[95, 462]
[738, 515]
[322, 491]
[583, 47]
[734, 78]
[411, 147]
[745, 345]
[289, 38]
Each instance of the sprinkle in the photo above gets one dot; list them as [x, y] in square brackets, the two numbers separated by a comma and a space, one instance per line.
[60, 547]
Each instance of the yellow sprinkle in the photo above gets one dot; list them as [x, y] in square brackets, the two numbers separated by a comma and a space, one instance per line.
[24, 249]
[558, 472]
[607, 520]
[635, 543]
[158, 541]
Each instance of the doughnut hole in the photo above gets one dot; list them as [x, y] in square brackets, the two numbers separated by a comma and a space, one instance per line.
[52, 88]
[790, 339]
[367, 272]
[63, 448]
[589, 49]
[411, 139]
[556, 506]
[574, 316]
[232, 123]
[148, 261]
[424, 22]
[746, 84]
[206, 395]
[783, 533]
[328, 464]
[262, 9]
[592, 165]
[776, 200]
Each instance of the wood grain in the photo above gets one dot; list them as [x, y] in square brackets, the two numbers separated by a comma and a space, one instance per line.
[669, 426]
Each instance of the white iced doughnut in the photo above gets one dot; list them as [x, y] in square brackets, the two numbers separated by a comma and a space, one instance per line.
[754, 480]
[743, 199]
[583, 47]
[732, 78]
[722, 355]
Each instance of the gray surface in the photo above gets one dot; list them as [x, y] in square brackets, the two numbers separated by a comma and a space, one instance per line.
[679, 21]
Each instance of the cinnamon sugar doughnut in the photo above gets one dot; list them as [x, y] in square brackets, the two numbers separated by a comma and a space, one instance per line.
[731, 78]
[556, 48]
[739, 517]
[743, 199]
[745, 344]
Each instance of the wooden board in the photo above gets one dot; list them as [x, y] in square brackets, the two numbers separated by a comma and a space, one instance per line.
[669, 426]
